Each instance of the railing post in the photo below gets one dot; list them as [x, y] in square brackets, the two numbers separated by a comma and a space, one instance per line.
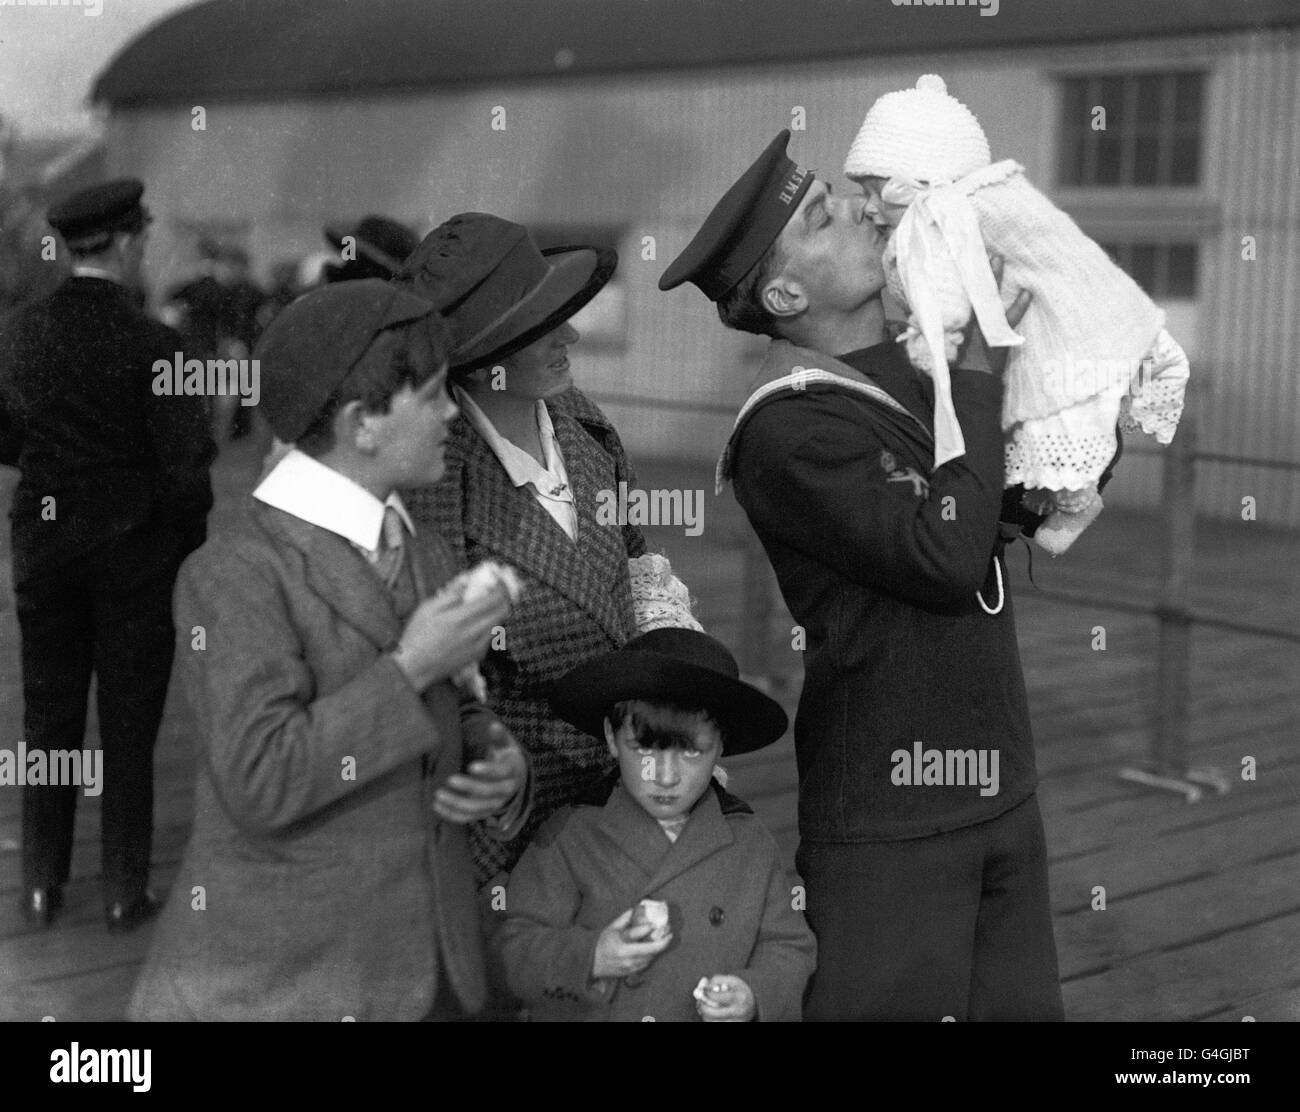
[1173, 688]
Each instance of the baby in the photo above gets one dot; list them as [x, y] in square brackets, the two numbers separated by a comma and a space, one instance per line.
[1092, 351]
[664, 898]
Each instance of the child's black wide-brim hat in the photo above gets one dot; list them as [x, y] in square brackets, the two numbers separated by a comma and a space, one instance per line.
[681, 667]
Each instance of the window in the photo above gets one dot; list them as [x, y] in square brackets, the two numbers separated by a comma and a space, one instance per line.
[1167, 271]
[1152, 132]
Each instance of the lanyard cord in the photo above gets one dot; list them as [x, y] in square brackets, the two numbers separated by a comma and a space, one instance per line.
[1007, 535]
[1002, 596]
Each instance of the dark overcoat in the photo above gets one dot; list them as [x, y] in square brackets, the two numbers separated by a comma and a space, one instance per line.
[578, 602]
[317, 883]
[79, 418]
[731, 905]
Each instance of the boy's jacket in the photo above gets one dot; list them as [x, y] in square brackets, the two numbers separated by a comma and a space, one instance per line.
[317, 883]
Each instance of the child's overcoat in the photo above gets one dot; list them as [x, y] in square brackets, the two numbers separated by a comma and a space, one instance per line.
[731, 907]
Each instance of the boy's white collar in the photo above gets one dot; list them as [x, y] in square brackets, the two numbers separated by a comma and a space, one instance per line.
[319, 495]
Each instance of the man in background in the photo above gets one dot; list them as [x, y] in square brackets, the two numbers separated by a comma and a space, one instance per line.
[113, 495]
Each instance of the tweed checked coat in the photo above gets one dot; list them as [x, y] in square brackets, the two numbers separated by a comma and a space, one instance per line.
[322, 895]
[577, 603]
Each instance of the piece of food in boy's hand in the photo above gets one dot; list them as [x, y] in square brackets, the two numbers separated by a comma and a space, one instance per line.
[654, 913]
[474, 584]
[724, 999]
[481, 578]
[707, 989]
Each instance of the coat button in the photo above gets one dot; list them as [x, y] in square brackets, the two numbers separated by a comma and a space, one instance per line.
[634, 980]
[716, 916]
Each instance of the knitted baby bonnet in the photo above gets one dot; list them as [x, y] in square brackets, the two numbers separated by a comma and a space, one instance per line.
[922, 134]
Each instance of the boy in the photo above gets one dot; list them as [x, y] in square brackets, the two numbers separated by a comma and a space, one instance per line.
[328, 876]
[587, 934]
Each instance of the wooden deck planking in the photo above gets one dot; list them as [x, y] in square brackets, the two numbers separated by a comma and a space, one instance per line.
[96, 995]
[1195, 981]
[1274, 1005]
[1179, 857]
[1169, 917]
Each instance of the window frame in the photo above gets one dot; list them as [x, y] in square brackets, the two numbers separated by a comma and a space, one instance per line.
[1145, 213]
[1077, 155]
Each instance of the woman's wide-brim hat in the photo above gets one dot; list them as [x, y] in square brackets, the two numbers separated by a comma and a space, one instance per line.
[682, 667]
[496, 289]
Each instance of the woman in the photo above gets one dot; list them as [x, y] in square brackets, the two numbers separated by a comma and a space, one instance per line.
[526, 460]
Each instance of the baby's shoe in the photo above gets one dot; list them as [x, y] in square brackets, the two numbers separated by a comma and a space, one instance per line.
[1074, 511]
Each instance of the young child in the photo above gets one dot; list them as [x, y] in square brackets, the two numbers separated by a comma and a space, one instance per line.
[665, 899]
[1093, 349]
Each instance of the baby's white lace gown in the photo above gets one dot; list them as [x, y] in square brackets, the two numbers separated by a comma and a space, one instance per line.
[1095, 350]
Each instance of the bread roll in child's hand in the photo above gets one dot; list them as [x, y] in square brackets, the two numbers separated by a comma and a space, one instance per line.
[654, 913]
[724, 999]
[624, 947]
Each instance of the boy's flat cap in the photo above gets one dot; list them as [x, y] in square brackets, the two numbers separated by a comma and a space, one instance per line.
[310, 347]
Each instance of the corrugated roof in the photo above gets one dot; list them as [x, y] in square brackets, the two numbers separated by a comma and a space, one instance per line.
[272, 49]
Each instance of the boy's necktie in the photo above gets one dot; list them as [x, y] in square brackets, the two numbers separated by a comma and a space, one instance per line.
[392, 548]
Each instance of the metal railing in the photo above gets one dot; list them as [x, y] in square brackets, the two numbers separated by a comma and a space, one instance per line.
[1170, 768]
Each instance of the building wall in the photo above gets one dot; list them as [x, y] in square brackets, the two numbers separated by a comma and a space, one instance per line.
[651, 153]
